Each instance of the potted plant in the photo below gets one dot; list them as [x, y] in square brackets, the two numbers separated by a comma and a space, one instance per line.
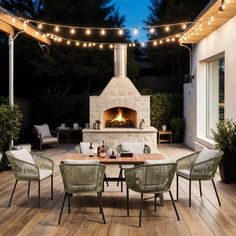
[225, 140]
[10, 124]
[177, 125]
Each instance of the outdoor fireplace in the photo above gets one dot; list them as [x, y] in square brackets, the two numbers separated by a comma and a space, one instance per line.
[120, 108]
[120, 117]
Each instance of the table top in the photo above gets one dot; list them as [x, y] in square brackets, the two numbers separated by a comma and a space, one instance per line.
[136, 159]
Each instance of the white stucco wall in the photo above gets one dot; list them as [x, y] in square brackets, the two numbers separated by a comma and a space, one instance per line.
[220, 42]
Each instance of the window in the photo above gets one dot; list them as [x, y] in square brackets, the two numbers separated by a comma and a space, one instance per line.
[215, 93]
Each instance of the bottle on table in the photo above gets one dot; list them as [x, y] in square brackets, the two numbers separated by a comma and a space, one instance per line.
[99, 150]
[91, 150]
[103, 149]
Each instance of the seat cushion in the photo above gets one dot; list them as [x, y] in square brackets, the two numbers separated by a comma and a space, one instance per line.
[164, 161]
[81, 162]
[49, 140]
[84, 147]
[206, 154]
[133, 147]
[126, 167]
[44, 173]
[43, 130]
[23, 155]
[184, 173]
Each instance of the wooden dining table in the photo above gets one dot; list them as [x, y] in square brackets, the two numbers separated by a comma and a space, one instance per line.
[137, 159]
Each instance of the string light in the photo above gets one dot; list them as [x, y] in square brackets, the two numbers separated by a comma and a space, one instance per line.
[88, 32]
[110, 46]
[135, 31]
[120, 32]
[155, 43]
[77, 43]
[57, 29]
[85, 45]
[68, 42]
[101, 46]
[40, 26]
[103, 32]
[184, 26]
[13, 19]
[72, 31]
[167, 28]
[152, 31]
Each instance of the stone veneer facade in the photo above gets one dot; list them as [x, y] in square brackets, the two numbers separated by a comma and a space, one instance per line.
[120, 92]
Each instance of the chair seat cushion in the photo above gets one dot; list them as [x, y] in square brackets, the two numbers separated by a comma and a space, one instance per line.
[44, 173]
[184, 173]
[206, 154]
[49, 140]
[23, 155]
[164, 161]
[134, 147]
[43, 130]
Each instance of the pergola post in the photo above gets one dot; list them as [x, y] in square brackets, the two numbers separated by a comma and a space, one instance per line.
[11, 70]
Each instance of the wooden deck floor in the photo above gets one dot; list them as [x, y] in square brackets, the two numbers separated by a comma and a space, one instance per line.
[205, 217]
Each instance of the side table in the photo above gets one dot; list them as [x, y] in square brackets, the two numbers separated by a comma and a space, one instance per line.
[165, 136]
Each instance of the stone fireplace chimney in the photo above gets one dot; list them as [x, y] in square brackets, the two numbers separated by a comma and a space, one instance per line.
[120, 60]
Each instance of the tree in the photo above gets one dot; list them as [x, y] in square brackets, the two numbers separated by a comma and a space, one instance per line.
[171, 57]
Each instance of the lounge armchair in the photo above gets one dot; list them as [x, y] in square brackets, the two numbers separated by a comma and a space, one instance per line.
[43, 136]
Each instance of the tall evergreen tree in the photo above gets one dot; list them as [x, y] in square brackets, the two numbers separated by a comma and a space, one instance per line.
[171, 59]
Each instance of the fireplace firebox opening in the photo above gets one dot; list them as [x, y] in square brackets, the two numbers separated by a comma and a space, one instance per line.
[120, 117]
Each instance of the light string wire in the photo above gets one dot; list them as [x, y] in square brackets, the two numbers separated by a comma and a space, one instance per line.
[182, 36]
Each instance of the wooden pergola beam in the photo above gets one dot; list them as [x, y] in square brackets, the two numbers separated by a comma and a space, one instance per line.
[6, 28]
[28, 29]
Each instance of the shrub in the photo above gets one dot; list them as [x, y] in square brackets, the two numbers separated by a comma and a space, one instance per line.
[164, 107]
[177, 124]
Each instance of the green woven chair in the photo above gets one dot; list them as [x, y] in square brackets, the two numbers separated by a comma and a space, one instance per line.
[30, 167]
[197, 167]
[80, 178]
[155, 179]
[123, 167]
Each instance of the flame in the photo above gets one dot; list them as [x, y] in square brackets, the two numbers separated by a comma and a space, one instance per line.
[119, 117]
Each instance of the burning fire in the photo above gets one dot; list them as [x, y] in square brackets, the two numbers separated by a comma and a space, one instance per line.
[119, 117]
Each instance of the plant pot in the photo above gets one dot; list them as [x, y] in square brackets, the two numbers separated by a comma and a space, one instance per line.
[227, 167]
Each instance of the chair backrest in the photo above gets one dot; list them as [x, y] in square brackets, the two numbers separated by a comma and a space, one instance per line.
[151, 178]
[205, 167]
[43, 130]
[82, 177]
[133, 147]
[18, 160]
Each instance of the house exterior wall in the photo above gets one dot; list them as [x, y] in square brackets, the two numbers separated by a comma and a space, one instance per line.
[220, 42]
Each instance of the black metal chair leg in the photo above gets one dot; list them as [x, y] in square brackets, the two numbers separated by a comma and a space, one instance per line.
[189, 193]
[155, 201]
[127, 200]
[9, 204]
[39, 193]
[63, 203]
[200, 187]
[216, 192]
[105, 176]
[177, 187]
[176, 212]
[68, 196]
[51, 187]
[140, 210]
[100, 203]
[28, 189]
[121, 179]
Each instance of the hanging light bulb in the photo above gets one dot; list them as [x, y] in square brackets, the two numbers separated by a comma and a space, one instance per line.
[152, 31]
[135, 31]
[85, 45]
[110, 46]
[40, 26]
[172, 39]
[90, 44]
[161, 42]
[168, 40]
[88, 32]
[155, 43]
[101, 46]
[57, 29]
[167, 28]
[133, 44]
[103, 32]
[59, 39]
[68, 42]
[94, 44]
[184, 26]
[36, 33]
[143, 44]
[77, 43]
[130, 44]
[72, 31]
[120, 31]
